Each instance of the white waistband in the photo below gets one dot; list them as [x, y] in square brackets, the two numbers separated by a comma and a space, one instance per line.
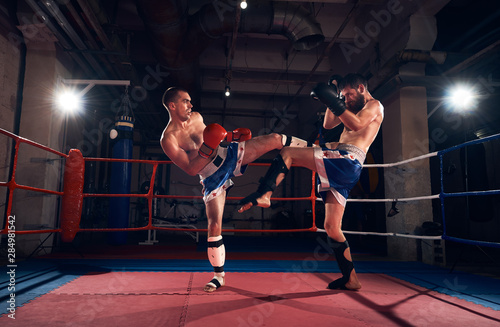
[213, 165]
[358, 154]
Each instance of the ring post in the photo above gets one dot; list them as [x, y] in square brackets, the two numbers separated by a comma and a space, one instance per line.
[72, 199]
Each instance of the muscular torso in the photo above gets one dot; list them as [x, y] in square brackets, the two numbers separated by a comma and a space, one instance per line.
[188, 138]
[360, 129]
[364, 137]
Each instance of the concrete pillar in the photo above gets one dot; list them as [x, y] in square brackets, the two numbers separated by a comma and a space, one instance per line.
[10, 58]
[42, 123]
[405, 135]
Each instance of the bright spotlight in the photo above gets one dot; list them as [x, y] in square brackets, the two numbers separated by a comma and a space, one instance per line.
[227, 91]
[462, 97]
[243, 4]
[69, 101]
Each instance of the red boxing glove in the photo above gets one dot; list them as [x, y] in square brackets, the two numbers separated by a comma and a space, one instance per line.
[239, 135]
[212, 136]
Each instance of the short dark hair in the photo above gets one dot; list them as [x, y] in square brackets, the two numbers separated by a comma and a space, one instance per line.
[353, 80]
[171, 95]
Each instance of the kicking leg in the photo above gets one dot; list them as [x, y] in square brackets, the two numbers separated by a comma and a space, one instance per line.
[260, 145]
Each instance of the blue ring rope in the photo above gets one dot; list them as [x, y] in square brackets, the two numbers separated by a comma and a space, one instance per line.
[444, 195]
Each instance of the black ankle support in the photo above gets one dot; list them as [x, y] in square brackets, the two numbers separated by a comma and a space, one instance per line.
[268, 182]
[345, 265]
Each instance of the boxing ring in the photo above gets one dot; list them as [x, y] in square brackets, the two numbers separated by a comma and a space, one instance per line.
[263, 289]
[442, 195]
[72, 195]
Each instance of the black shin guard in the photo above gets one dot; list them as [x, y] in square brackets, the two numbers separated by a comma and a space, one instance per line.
[345, 265]
[268, 182]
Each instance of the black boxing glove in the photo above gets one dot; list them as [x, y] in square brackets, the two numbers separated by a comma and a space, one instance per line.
[329, 96]
[334, 79]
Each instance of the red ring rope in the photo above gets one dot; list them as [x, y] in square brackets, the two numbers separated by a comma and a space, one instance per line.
[72, 195]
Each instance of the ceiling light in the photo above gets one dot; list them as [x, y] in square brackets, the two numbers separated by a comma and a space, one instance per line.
[227, 91]
[68, 101]
[462, 97]
[243, 4]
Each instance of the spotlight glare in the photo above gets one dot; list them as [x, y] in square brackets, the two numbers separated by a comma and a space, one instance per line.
[227, 91]
[68, 101]
[243, 4]
[461, 97]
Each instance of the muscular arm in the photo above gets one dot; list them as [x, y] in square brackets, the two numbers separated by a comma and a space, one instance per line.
[330, 121]
[362, 119]
[190, 163]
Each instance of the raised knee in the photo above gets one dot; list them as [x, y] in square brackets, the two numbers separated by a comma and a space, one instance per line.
[277, 139]
[275, 136]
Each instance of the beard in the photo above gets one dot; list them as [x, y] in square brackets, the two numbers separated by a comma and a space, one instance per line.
[357, 104]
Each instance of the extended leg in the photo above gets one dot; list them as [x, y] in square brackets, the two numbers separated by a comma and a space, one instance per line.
[259, 145]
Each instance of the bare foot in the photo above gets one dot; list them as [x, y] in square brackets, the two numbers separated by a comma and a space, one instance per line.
[262, 201]
[215, 283]
[352, 284]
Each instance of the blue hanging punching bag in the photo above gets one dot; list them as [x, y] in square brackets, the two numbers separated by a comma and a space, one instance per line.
[120, 179]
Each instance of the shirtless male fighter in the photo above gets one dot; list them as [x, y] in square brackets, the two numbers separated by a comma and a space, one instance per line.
[338, 164]
[194, 148]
